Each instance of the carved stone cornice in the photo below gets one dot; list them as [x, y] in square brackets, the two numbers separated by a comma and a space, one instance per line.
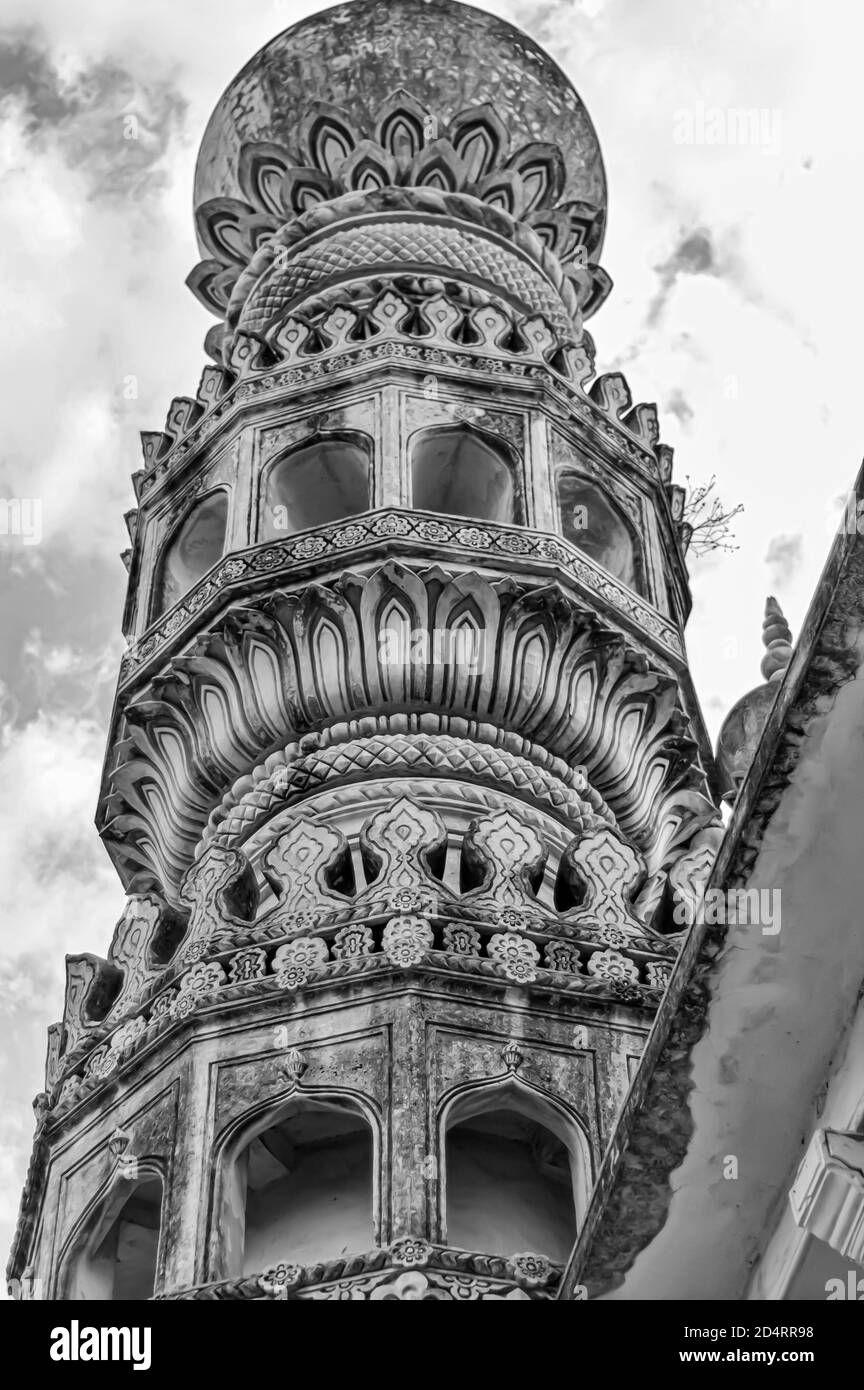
[300, 661]
[410, 1269]
[394, 532]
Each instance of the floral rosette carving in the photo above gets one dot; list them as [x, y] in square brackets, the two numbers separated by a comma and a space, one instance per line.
[516, 955]
[406, 940]
[514, 919]
[306, 920]
[351, 535]
[612, 934]
[392, 526]
[195, 985]
[185, 1003]
[611, 965]
[433, 531]
[311, 546]
[127, 1035]
[282, 1278]
[295, 960]
[411, 1252]
[530, 1269]
[203, 978]
[408, 900]
[196, 950]
[470, 536]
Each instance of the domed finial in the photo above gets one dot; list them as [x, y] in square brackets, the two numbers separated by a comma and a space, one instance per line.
[777, 640]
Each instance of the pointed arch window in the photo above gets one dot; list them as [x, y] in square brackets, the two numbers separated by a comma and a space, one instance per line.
[596, 526]
[195, 547]
[323, 480]
[116, 1258]
[516, 1174]
[462, 471]
[300, 1189]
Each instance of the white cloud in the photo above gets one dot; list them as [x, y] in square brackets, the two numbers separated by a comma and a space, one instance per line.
[61, 895]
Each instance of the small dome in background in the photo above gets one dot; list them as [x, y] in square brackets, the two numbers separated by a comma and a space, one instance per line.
[742, 728]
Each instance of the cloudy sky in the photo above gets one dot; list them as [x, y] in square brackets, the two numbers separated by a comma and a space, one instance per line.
[737, 307]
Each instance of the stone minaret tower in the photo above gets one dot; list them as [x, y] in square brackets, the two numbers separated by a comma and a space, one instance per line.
[405, 777]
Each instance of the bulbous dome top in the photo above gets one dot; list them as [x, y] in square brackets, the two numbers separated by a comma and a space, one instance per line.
[354, 56]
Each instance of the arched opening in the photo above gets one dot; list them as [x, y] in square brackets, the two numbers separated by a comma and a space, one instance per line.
[515, 1175]
[118, 1260]
[300, 1190]
[460, 472]
[195, 547]
[321, 481]
[593, 524]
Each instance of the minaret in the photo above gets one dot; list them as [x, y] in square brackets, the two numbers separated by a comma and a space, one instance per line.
[405, 774]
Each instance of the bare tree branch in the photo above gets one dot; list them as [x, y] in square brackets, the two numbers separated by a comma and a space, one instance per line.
[707, 520]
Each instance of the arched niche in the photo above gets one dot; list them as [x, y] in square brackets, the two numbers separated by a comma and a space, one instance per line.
[114, 1252]
[516, 1172]
[319, 481]
[463, 471]
[196, 546]
[594, 524]
[297, 1185]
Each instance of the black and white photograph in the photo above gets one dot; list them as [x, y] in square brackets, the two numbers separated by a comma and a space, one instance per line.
[432, 669]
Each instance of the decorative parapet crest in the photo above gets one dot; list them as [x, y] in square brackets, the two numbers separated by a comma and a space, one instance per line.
[400, 839]
[503, 931]
[214, 888]
[431, 331]
[296, 866]
[131, 947]
[608, 870]
[510, 854]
